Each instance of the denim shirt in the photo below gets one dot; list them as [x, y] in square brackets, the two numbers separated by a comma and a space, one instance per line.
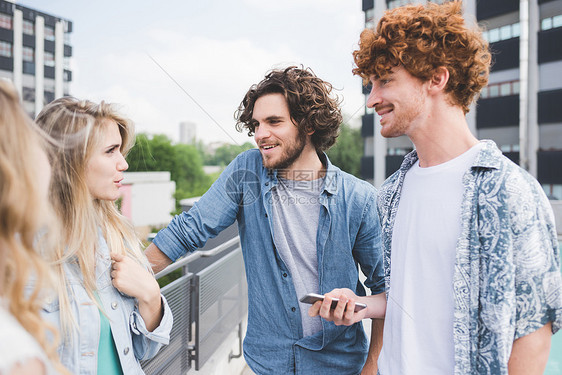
[132, 340]
[506, 281]
[348, 234]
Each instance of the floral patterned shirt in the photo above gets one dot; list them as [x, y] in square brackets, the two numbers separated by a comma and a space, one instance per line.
[507, 280]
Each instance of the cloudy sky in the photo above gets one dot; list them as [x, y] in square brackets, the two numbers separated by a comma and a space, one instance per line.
[186, 60]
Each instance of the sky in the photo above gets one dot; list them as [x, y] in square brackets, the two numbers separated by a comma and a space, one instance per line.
[184, 60]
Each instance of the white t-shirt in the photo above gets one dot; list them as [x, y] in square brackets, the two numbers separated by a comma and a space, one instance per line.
[418, 329]
[17, 346]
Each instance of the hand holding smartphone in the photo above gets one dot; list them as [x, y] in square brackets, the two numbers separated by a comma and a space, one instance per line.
[313, 297]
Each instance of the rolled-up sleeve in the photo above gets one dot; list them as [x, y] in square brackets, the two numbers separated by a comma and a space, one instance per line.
[146, 344]
[213, 212]
[538, 282]
[368, 247]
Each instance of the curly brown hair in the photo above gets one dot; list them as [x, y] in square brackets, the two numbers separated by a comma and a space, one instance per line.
[309, 99]
[422, 38]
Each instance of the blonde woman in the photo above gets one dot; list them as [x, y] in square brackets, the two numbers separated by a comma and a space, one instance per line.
[24, 183]
[109, 307]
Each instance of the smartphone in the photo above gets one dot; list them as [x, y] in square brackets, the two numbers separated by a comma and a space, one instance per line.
[313, 297]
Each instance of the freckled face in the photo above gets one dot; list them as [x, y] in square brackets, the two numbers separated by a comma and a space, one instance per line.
[399, 100]
[104, 170]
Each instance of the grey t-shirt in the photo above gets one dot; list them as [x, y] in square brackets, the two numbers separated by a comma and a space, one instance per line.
[296, 209]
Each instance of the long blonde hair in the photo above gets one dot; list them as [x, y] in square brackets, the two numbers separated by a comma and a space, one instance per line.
[24, 212]
[78, 125]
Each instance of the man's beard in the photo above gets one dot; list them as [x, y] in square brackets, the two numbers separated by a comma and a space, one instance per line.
[290, 154]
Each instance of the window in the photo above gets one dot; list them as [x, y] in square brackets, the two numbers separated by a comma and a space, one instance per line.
[391, 4]
[66, 62]
[48, 96]
[553, 192]
[28, 54]
[5, 49]
[49, 59]
[515, 87]
[28, 94]
[494, 35]
[510, 148]
[398, 151]
[28, 27]
[500, 89]
[49, 33]
[551, 22]
[557, 21]
[505, 32]
[502, 33]
[505, 89]
[515, 30]
[66, 38]
[484, 92]
[5, 21]
[370, 18]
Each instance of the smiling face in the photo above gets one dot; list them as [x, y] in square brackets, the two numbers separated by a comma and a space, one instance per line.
[276, 135]
[104, 170]
[399, 98]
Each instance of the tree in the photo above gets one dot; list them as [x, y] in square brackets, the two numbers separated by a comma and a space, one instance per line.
[348, 150]
[157, 153]
[225, 154]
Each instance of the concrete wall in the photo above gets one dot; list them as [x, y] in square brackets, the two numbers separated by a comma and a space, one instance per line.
[148, 198]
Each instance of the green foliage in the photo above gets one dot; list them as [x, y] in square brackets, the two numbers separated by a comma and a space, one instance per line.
[184, 163]
[348, 150]
[225, 154]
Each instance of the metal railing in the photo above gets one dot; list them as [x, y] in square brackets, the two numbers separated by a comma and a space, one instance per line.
[209, 299]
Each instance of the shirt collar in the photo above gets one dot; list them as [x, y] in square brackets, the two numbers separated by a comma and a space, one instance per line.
[488, 157]
[330, 182]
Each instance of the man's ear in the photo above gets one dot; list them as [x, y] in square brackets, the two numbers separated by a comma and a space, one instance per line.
[439, 79]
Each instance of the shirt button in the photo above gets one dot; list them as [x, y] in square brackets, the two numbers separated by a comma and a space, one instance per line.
[265, 215]
[267, 184]
[293, 309]
[126, 350]
[284, 274]
[114, 305]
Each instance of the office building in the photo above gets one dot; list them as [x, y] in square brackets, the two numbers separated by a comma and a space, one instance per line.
[35, 54]
[188, 132]
[520, 109]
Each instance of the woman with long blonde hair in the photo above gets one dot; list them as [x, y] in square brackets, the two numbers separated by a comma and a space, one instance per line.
[24, 212]
[109, 307]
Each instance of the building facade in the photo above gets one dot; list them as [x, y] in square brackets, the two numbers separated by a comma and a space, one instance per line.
[188, 132]
[35, 54]
[520, 109]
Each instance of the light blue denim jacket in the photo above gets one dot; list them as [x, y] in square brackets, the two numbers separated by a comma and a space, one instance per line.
[132, 339]
[348, 234]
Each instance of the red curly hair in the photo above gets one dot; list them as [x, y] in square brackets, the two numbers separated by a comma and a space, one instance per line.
[422, 38]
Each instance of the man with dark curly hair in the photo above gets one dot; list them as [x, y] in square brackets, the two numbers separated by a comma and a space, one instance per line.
[470, 250]
[304, 226]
